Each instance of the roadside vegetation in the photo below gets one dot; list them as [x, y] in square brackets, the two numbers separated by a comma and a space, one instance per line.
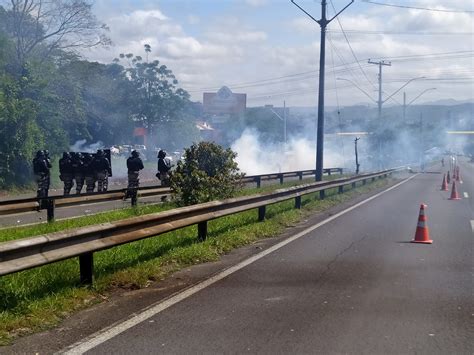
[38, 299]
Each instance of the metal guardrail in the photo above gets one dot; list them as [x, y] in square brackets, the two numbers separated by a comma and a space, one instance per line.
[32, 252]
[8, 207]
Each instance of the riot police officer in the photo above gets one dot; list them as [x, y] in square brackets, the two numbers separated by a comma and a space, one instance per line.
[134, 165]
[78, 170]
[66, 172]
[48, 164]
[89, 172]
[102, 167]
[164, 166]
[41, 170]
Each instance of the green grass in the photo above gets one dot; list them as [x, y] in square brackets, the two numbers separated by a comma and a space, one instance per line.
[37, 299]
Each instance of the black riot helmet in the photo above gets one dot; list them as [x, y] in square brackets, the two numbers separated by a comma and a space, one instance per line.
[46, 152]
[39, 153]
[161, 154]
[100, 152]
[66, 155]
[135, 154]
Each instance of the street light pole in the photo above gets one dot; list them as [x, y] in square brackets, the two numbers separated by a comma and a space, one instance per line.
[405, 105]
[282, 119]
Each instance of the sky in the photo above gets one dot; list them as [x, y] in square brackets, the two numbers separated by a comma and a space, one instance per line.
[269, 49]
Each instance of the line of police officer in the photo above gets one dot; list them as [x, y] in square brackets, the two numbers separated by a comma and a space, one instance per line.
[73, 167]
[91, 168]
[84, 167]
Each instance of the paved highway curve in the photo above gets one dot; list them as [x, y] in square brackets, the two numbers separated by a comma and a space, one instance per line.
[354, 285]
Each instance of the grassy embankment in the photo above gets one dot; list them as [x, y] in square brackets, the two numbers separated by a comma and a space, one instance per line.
[39, 298]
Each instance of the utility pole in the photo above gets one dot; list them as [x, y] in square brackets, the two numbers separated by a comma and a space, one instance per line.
[379, 103]
[323, 22]
[357, 155]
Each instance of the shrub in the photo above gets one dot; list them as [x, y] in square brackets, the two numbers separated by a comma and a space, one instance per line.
[209, 172]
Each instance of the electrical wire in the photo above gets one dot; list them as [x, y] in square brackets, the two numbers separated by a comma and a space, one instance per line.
[338, 108]
[415, 33]
[349, 44]
[417, 8]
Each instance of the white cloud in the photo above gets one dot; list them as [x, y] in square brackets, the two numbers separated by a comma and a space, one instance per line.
[233, 48]
[256, 3]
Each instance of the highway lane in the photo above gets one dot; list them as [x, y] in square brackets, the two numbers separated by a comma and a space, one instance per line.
[354, 285]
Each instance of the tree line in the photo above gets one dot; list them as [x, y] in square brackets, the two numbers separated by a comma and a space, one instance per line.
[51, 97]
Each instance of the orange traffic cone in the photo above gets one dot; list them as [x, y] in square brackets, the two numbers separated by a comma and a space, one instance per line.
[422, 234]
[444, 186]
[448, 178]
[454, 192]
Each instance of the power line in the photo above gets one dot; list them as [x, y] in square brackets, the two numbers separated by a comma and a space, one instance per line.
[415, 33]
[341, 68]
[417, 8]
[349, 44]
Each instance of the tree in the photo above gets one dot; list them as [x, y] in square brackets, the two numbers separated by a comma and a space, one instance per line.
[20, 135]
[208, 172]
[41, 27]
[157, 103]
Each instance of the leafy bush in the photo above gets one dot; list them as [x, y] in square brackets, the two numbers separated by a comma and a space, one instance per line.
[209, 172]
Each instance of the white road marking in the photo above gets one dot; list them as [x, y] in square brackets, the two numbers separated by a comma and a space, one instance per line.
[110, 332]
[466, 195]
[472, 226]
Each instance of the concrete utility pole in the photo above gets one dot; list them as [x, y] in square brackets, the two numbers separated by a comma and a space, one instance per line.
[323, 22]
[380, 102]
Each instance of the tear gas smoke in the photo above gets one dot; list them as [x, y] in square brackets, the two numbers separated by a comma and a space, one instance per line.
[81, 146]
[255, 157]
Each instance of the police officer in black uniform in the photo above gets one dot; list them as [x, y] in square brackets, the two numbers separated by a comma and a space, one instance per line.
[164, 166]
[48, 164]
[41, 168]
[89, 172]
[78, 170]
[102, 167]
[134, 165]
[66, 172]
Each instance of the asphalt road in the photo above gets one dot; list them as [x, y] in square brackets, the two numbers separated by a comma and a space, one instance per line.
[354, 285]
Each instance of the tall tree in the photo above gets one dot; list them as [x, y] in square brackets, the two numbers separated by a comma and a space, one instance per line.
[42, 26]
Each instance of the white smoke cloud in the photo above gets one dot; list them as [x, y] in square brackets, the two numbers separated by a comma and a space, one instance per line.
[255, 157]
[81, 146]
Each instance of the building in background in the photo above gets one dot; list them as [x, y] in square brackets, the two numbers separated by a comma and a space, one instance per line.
[220, 109]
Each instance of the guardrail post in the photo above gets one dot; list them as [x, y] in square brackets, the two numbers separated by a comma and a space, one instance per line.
[280, 176]
[261, 213]
[86, 266]
[340, 189]
[322, 194]
[300, 175]
[353, 185]
[373, 179]
[364, 182]
[329, 172]
[50, 209]
[202, 231]
[298, 202]
[259, 181]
